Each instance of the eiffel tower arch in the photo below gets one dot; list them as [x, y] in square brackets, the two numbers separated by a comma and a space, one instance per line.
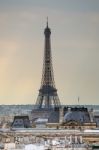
[47, 97]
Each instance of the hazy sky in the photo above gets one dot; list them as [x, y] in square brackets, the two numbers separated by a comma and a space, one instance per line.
[75, 49]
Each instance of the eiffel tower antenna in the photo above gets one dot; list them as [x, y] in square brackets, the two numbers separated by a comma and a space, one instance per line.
[47, 21]
[47, 97]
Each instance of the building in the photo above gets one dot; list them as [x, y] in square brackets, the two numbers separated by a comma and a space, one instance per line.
[21, 122]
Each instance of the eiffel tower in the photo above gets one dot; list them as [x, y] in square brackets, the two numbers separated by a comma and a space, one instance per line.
[47, 97]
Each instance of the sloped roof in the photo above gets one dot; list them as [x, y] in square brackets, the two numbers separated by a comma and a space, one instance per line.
[79, 115]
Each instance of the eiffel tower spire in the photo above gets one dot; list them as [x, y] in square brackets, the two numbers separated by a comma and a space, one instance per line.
[47, 22]
[47, 97]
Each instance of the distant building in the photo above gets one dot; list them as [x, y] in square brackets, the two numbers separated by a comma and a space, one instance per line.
[96, 119]
[72, 118]
[21, 122]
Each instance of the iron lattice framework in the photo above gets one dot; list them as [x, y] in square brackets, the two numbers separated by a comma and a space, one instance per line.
[47, 97]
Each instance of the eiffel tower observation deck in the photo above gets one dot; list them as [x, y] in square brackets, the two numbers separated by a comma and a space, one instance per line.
[47, 97]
